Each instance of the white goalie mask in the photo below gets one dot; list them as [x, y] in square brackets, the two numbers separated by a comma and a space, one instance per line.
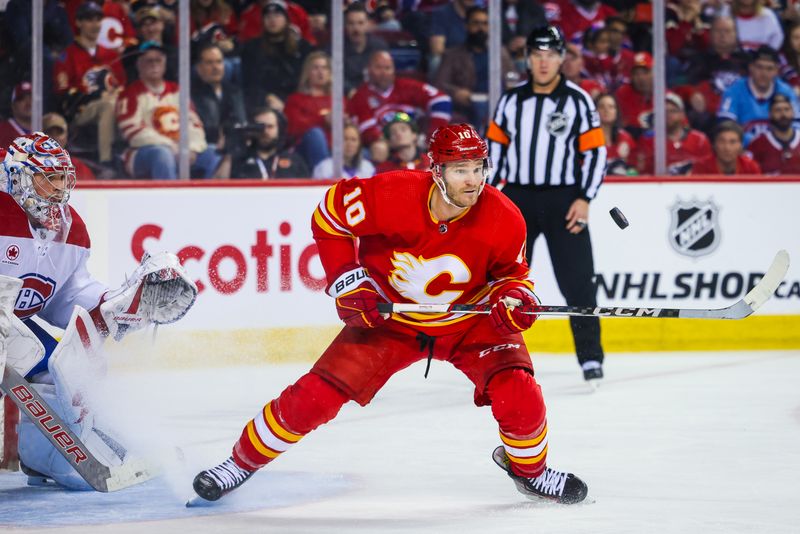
[40, 176]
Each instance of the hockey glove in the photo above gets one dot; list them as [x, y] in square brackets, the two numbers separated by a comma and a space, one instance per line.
[506, 315]
[356, 298]
[159, 291]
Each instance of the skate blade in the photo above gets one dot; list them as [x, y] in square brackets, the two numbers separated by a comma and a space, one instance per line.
[39, 481]
[197, 501]
[593, 385]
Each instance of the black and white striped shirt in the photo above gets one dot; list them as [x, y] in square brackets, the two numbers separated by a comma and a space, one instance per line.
[544, 141]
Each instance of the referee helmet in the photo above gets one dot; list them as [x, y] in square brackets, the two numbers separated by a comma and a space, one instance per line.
[546, 38]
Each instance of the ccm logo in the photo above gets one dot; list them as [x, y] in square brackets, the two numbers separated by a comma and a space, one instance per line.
[628, 312]
[38, 413]
[497, 348]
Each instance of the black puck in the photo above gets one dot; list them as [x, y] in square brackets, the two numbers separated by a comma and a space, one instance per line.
[619, 218]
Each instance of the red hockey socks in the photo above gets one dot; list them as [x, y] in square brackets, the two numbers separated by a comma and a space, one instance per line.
[518, 407]
[301, 408]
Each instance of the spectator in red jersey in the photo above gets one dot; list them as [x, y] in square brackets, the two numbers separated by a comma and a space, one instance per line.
[308, 111]
[271, 64]
[464, 71]
[638, 95]
[207, 13]
[403, 135]
[118, 31]
[150, 26]
[685, 146]
[359, 44]
[56, 127]
[251, 25]
[147, 111]
[620, 145]
[89, 79]
[604, 64]
[354, 163]
[728, 157]
[383, 94]
[20, 121]
[576, 16]
[777, 150]
[573, 70]
[686, 31]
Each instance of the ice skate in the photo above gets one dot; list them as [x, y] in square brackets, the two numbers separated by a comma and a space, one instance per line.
[213, 483]
[35, 478]
[551, 485]
[592, 373]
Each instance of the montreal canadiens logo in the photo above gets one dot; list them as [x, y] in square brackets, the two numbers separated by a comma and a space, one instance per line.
[35, 293]
[694, 230]
[12, 252]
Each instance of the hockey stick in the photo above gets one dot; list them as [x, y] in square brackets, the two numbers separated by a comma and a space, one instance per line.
[98, 475]
[757, 296]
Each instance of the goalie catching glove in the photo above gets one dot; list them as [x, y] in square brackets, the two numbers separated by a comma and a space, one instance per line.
[507, 316]
[356, 298]
[159, 291]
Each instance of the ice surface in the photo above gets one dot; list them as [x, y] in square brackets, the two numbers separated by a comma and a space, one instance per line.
[684, 443]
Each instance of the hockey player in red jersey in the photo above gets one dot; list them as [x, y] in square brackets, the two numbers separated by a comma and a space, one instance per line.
[436, 236]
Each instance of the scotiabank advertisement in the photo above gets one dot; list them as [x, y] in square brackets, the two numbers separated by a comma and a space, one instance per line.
[250, 249]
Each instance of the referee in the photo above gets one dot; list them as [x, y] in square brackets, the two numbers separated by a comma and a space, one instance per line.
[549, 157]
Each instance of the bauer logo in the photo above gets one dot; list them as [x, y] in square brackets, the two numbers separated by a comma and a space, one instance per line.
[694, 230]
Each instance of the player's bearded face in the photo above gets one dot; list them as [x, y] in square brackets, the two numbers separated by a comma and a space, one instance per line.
[463, 181]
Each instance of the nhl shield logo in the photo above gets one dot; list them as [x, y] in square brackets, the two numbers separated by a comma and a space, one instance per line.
[694, 230]
[557, 123]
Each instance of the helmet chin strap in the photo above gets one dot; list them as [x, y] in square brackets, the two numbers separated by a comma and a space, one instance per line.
[441, 183]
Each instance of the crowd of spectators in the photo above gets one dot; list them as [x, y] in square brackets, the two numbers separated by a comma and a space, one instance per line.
[261, 81]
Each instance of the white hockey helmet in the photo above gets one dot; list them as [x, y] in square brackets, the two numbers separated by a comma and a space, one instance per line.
[40, 176]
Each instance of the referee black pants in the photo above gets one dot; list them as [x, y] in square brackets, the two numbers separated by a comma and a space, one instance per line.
[545, 212]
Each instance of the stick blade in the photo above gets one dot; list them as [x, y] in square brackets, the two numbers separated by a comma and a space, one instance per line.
[131, 473]
[769, 283]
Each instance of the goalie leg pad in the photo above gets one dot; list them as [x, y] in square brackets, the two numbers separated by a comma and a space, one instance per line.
[25, 346]
[76, 364]
[37, 453]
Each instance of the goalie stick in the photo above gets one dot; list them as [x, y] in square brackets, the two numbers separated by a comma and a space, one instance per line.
[754, 299]
[99, 476]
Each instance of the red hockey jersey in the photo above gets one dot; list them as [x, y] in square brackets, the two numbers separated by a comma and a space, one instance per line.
[411, 256]
[371, 108]
[775, 156]
[708, 165]
[681, 154]
[82, 71]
